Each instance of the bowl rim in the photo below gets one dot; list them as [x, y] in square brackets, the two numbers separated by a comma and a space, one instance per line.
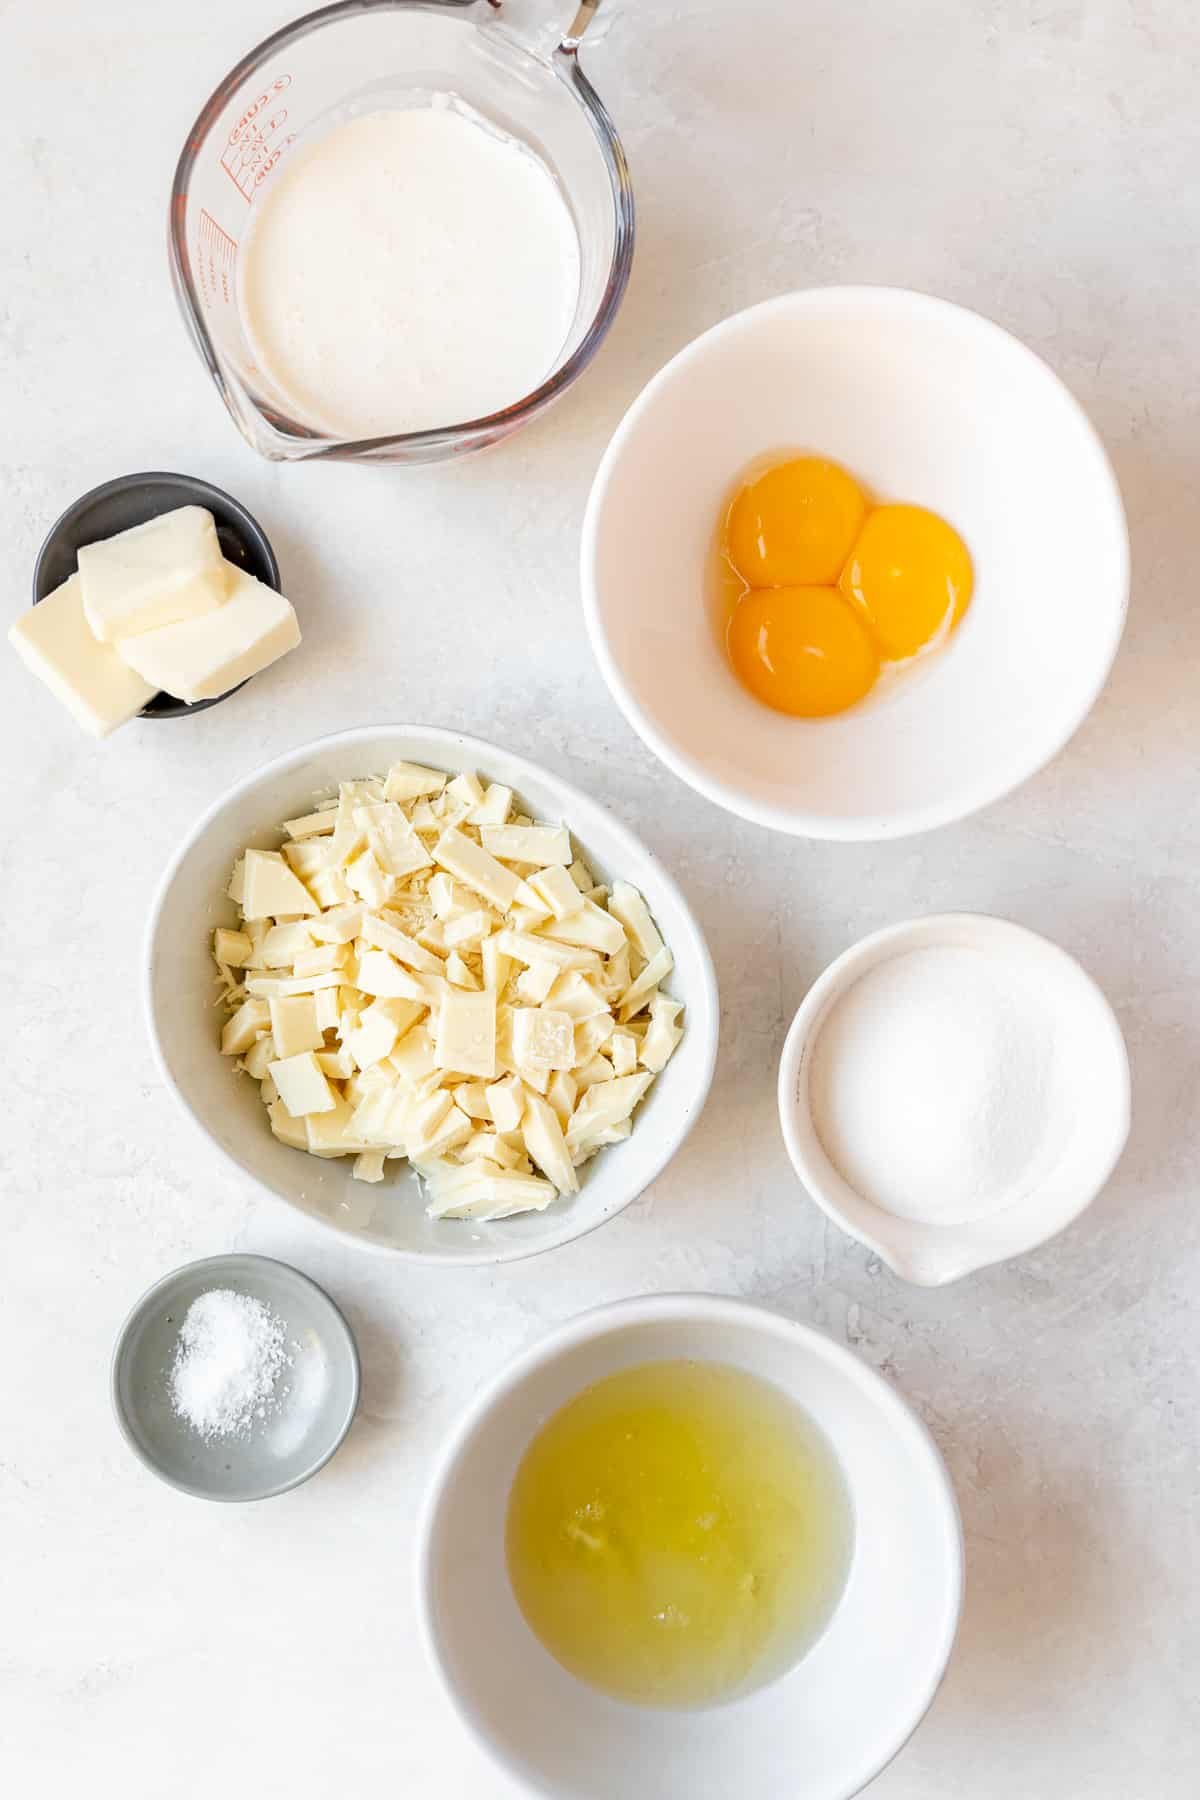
[346, 1346]
[706, 1001]
[615, 1316]
[797, 822]
[1110, 1135]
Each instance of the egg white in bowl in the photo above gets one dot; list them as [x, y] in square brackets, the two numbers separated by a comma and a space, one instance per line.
[184, 1025]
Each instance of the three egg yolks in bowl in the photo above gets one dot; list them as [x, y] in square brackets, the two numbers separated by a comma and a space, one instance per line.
[826, 590]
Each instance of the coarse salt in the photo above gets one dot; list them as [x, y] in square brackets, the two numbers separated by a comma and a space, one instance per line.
[231, 1352]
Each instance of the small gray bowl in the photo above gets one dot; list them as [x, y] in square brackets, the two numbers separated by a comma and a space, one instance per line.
[318, 1394]
[132, 500]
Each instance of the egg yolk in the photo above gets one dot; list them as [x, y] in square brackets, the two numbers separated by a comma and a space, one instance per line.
[795, 524]
[801, 650]
[910, 573]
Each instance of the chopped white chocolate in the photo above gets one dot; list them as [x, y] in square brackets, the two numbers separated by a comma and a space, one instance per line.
[332, 1133]
[284, 943]
[597, 1069]
[395, 844]
[321, 959]
[413, 1057]
[536, 845]
[328, 1008]
[448, 899]
[562, 1093]
[468, 930]
[270, 888]
[546, 1145]
[233, 948]
[471, 863]
[303, 1086]
[506, 1100]
[311, 824]
[368, 1166]
[466, 1034]
[535, 982]
[409, 781]
[466, 790]
[369, 879]
[638, 993]
[259, 1057]
[340, 925]
[606, 1103]
[589, 926]
[329, 887]
[459, 972]
[494, 808]
[542, 1035]
[555, 887]
[287, 1129]
[523, 947]
[577, 994]
[472, 1097]
[294, 1024]
[307, 859]
[425, 997]
[591, 1035]
[377, 929]
[251, 1020]
[489, 1146]
[380, 974]
[627, 905]
[493, 1193]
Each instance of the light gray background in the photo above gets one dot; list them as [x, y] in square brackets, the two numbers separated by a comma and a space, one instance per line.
[1032, 158]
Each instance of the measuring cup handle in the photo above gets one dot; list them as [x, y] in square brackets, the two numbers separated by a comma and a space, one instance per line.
[579, 24]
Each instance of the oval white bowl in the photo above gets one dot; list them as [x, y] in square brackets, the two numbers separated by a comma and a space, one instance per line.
[922, 401]
[184, 1025]
[931, 1255]
[826, 1727]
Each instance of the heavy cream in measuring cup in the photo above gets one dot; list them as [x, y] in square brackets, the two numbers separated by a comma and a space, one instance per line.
[409, 269]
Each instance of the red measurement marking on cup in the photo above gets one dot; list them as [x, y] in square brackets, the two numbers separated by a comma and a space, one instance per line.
[257, 139]
[215, 261]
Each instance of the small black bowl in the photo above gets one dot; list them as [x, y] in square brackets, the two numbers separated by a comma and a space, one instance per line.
[131, 500]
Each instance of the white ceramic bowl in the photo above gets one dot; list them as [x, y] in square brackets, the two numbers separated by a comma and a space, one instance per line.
[184, 1024]
[826, 1727]
[924, 402]
[1096, 1064]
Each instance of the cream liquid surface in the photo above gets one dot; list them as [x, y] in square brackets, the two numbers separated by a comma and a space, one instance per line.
[407, 270]
[678, 1533]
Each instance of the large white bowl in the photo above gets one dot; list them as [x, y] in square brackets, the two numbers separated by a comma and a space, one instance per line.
[184, 1026]
[924, 402]
[824, 1729]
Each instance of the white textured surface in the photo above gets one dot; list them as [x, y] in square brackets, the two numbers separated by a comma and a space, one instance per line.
[1034, 160]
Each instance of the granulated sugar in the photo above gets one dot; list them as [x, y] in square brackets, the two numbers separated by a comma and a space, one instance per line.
[936, 1086]
[231, 1353]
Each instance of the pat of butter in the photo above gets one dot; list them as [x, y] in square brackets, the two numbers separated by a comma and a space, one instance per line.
[156, 574]
[55, 641]
[200, 658]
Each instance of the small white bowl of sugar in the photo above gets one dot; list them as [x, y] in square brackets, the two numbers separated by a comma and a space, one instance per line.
[954, 1091]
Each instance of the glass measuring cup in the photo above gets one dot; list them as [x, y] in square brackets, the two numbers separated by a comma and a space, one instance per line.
[361, 56]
